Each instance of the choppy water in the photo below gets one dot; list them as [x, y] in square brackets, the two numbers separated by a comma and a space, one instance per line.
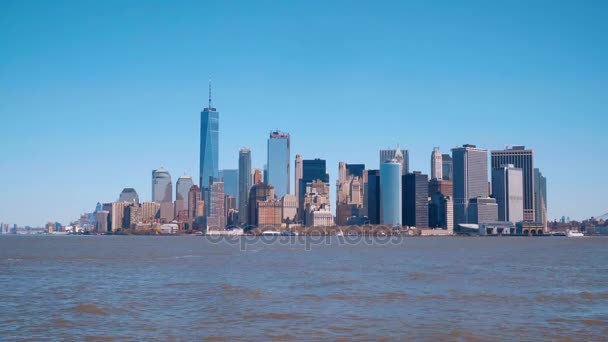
[187, 288]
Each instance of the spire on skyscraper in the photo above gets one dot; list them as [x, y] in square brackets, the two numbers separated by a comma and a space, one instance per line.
[209, 93]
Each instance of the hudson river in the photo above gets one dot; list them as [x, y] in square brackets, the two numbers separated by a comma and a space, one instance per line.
[188, 288]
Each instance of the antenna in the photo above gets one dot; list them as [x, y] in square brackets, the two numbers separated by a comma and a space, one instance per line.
[209, 91]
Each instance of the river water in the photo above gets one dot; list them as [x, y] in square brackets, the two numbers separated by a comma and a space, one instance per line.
[192, 288]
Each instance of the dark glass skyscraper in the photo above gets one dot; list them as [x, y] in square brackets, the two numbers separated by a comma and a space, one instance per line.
[372, 192]
[415, 203]
[244, 182]
[278, 166]
[209, 149]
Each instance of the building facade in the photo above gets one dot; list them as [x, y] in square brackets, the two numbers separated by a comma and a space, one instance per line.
[278, 164]
[482, 210]
[415, 200]
[470, 172]
[209, 145]
[507, 189]
[436, 164]
[521, 158]
[402, 157]
[245, 182]
[540, 198]
[372, 195]
[446, 167]
[390, 193]
[162, 188]
[216, 213]
[128, 195]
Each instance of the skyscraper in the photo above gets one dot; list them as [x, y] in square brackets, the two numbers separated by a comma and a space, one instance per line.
[402, 156]
[507, 189]
[540, 197]
[195, 203]
[182, 187]
[521, 158]
[209, 149]
[446, 166]
[470, 172]
[231, 182]
[162, 188]
[245, 182]
[278, 162]
[372, 193]
[259, 192]
[390, 193]
[298, 174]
[415, 200]
[436, 164]
[128, 195]
[216, 217]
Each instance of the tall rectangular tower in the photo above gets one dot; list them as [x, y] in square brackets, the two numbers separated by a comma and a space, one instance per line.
[507, 189]
[209, 148]
[278, 164]
[521, 158]
[470, 172]
[245, 181]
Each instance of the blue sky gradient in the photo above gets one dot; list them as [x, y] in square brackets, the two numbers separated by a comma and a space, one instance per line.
[96, 94]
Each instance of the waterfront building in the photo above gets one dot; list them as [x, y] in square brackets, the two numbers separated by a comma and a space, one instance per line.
[132, 216]
[319, 216]
[166, 212]
[441, 186]
[299, 173]
[269, 214]
[349, 192]
[128, 195]
[101, 221]
[446, 167]
[372, 193]
[540, 198]
[117, 215]
[209, 144]
[390, 193]
[441, 212]
[402, 157]
[436, 164]
[216, 216]
[521, 158]
[162, 188]
[230, 208]
[150, 212]
[470, 173]
[316, 198]
[278, 164]
[507, 189]
[482, 210]
[259, 192]
[289, 208]
[245, 182]
[230, 178]
[194, 196]
[415, 200]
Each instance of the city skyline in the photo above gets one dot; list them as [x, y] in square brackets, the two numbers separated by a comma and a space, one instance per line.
[96, 126]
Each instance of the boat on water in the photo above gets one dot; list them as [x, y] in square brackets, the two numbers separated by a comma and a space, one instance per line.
[574, 233]
[340, 233]
[271, 232]
[289, 233]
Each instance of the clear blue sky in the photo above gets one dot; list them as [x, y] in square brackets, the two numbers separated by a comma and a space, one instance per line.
[96, 94]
